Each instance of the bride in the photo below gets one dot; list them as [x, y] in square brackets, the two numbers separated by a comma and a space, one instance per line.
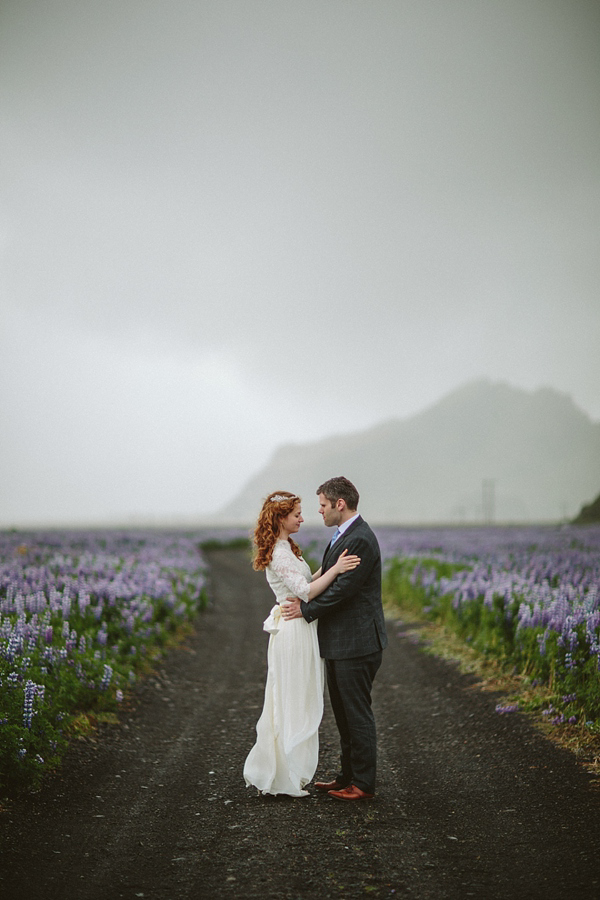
[285, 755]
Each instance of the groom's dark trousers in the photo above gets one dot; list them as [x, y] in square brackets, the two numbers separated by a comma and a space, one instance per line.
[351, 638]
[349, 682]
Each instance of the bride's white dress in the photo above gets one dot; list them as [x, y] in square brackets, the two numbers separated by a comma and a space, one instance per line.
[285, 755]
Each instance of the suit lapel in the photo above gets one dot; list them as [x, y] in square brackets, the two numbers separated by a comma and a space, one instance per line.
[340, 541]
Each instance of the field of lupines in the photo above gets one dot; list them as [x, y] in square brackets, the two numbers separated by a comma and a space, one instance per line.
[81, 614]
[528, 597]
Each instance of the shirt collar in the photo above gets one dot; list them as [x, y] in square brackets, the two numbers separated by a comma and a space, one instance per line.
[345, 525]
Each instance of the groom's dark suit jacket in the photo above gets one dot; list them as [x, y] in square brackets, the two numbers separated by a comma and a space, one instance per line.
[350, 613]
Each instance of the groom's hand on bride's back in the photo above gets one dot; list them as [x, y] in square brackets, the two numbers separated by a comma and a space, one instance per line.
[291, 608]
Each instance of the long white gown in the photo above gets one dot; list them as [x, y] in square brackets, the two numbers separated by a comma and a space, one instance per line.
[285, 755]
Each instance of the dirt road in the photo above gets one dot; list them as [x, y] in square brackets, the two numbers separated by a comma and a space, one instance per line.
[469, 803]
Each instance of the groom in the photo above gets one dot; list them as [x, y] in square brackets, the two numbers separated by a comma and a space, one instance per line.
[351, 637]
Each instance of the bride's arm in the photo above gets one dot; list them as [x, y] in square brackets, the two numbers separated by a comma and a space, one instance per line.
[292, 610]
[316, 574]
[299, 586]
[319, 582]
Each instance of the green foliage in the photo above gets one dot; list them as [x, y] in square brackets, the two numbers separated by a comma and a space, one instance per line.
[398, 588]
[490, 630]
[236, 543]
[403, 587]
[311, 555]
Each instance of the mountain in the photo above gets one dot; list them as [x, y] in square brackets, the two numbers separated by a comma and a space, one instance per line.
[485, 451]
[589, 514]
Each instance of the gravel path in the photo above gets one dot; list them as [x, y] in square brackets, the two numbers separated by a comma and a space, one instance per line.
[469, 803]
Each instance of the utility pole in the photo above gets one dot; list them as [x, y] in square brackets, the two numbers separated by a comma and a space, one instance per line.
[488, 500]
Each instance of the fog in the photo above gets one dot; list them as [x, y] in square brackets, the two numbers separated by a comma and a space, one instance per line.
[227, 226]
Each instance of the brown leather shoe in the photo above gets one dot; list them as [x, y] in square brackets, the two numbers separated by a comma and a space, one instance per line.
[327, 786]
[351, 793]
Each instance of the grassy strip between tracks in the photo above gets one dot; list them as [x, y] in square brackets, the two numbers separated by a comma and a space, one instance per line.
[562, 701]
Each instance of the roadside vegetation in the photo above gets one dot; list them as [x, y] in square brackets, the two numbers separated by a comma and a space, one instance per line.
[82, 615]
[521, 609]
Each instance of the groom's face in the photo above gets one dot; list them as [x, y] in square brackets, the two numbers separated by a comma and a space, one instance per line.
[331, 514]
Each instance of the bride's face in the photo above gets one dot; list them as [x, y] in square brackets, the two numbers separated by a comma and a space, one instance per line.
[293, 521]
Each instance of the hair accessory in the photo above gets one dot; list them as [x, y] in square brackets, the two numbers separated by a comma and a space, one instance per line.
[278, 498]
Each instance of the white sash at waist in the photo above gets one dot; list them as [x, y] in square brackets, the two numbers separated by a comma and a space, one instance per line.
[272, 623]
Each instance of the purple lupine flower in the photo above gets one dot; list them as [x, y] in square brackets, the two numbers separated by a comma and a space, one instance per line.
[83, 599]
[541, 639]
[106, 677]
[13, 647]
[28, 703]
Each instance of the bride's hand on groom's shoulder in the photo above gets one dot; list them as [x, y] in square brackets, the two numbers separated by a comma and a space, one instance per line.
[346, 563]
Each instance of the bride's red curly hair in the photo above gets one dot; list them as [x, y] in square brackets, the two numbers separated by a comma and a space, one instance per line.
[268, 527]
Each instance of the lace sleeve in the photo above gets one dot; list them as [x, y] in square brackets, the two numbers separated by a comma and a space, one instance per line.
[286, 566]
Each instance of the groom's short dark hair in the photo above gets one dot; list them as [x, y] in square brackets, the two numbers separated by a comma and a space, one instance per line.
[340, 489]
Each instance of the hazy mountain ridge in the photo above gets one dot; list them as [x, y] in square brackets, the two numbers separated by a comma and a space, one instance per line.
[589, 513]
[539, 449]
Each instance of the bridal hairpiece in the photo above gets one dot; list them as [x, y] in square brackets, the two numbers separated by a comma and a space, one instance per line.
[277, 498]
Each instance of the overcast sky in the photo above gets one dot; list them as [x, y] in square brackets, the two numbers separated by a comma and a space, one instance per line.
[231, 225]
